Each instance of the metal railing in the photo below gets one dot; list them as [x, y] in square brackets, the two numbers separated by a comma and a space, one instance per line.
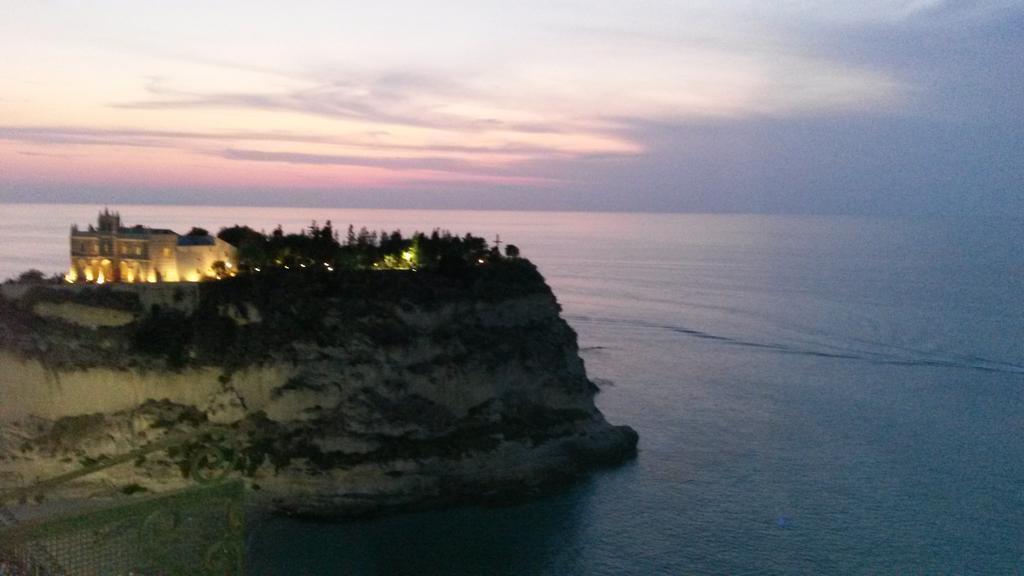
[195, 531]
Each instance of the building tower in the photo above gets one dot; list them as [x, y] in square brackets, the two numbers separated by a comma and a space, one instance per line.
[109, 222]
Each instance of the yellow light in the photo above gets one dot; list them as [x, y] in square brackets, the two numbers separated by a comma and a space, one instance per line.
[100, 279]
[88, 275]
[192, 277]
[152, 276]
[71, 276]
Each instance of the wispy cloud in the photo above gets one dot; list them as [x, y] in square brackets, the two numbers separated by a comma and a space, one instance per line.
[89, 136]
[398, 163]
[42, 154]
[71, 135]
[391, 99]
[368, 141]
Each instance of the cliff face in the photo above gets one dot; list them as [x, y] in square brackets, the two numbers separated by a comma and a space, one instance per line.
[331, 393]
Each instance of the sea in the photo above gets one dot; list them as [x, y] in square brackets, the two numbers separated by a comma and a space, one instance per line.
[813, 394]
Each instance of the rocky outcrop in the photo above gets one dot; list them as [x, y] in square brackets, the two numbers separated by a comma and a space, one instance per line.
[331, 393]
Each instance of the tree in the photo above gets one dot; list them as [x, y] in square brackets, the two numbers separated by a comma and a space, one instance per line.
[239, 235]
[328, 230]
[220, 269]
[364, 239]
[511, 250]
[196, 231]
[32, 276]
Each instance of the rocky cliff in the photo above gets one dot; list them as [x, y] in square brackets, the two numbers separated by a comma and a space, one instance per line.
[329, 392]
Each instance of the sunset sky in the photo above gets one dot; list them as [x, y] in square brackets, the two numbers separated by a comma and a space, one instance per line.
[863, 106]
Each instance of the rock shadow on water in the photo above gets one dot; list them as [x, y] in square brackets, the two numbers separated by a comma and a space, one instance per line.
[540, 535]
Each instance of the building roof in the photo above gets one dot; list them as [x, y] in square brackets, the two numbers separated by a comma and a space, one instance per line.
[205, 240]
[144, 230]
[137, 231]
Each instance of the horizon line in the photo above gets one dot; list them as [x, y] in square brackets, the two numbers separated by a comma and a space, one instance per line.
[906, 216]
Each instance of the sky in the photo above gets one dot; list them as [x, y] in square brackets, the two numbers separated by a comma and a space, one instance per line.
[793, 106]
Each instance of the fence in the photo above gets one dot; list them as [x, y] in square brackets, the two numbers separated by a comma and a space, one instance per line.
[195, 531]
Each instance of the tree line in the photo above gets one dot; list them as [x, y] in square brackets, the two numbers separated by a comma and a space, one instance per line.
[359, 249]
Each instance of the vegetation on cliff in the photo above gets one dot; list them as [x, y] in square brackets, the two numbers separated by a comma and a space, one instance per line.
[359, 250]
[254, 318]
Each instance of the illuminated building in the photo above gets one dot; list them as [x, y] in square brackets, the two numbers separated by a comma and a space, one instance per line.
[110, 252]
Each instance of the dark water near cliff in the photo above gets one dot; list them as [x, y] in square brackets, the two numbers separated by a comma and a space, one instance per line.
[813, 395]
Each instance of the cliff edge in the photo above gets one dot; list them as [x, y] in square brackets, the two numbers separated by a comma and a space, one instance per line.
[331, 393]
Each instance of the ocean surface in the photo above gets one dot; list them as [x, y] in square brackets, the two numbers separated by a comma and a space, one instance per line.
[814, 395]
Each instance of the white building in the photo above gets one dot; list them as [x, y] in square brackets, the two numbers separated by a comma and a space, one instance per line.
[111, 252]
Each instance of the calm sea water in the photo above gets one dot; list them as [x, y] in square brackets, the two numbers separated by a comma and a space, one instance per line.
[814, 395]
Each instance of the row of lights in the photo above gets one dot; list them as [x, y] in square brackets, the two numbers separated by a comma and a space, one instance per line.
[72, 276]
